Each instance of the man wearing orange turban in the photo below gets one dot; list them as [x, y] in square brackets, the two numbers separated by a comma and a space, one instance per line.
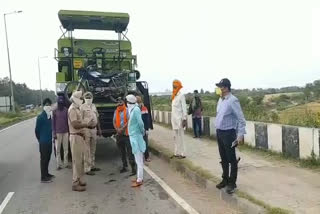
[178, 119]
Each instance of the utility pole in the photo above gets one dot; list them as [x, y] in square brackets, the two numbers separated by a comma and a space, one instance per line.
[13, 108]
[41, 98]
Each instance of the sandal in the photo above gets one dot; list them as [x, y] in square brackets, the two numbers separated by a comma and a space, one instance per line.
[174, 156]
[136, 184]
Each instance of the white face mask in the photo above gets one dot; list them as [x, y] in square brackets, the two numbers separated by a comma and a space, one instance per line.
[48, 110]
[88, 101]
[130, 107]
[77, 101]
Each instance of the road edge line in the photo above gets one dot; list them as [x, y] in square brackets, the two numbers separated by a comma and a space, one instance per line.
[171, 192]
[6, 201]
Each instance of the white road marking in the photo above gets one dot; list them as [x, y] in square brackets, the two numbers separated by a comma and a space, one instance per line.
[2, 130]
[6, 201]
[171, 192]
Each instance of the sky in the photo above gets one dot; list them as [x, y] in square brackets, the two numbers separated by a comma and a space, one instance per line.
[254, 43]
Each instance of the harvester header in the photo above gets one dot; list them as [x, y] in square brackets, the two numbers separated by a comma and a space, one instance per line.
[91, 20]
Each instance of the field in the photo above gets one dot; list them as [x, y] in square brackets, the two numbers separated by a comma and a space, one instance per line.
[270, 97]
[310, 113]
[283, 108]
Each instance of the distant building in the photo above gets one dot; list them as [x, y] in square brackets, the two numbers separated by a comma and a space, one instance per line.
[166, 93]
[5, 104]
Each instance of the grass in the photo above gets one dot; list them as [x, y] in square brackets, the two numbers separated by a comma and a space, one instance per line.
[312, 162]
[166, 154]
[7, 119]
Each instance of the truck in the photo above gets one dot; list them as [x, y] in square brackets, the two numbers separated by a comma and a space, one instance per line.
[105, 67]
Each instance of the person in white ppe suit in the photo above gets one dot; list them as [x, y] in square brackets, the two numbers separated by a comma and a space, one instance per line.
[178, 119]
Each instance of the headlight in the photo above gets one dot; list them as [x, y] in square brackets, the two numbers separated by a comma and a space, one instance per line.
[132, 86]
[66, 51]
[60, 86]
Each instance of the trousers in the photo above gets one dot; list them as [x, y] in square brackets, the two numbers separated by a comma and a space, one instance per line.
[179, 146]
[146, 153]
[197, 127]
[77, 144]
[45, 155]
[139, 160]
[90, 149]
[62, 140]
[124, 146]
[228, 155]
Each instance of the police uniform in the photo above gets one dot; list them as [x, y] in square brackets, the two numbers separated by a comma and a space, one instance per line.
[90, 113]
[77, 144]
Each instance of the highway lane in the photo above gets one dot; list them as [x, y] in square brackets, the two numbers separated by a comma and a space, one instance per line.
[108, 191]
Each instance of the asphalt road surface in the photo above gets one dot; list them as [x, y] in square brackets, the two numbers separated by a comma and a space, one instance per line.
[107, 192]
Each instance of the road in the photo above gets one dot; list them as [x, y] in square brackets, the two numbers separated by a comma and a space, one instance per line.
[107, 192]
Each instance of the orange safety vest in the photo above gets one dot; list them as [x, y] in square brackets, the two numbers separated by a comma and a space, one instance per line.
[118, 118]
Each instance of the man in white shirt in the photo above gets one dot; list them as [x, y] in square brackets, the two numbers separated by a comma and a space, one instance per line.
[178, 119]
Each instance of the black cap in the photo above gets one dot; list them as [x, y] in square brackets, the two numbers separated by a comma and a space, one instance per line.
[224, 83]
[195, 91]
[119, 99]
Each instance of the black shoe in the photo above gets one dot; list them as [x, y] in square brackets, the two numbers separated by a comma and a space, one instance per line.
[90, 173]
[231, 188]
[222, 184]
[51, 176]
[195, 137]
[95, 169]
[46, 180]
[123, 170]
[133, 173]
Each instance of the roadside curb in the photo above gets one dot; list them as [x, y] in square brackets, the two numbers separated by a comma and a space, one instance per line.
[206, 180]
[16, 122]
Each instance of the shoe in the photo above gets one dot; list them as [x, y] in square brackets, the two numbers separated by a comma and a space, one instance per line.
[46, 180]
[59, 168]
[222, 184]
[136, 184]
[51, 176]
[174, 156]
[133, 173]
[231, 188]
[83, 184]
[123, 170]
[90, 173]
[95, 169]
[78, 188]
[181, 157]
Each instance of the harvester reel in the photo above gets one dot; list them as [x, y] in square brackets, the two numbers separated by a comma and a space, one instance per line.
[72, 87]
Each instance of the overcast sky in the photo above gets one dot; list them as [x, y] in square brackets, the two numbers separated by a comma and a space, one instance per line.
[255, 43]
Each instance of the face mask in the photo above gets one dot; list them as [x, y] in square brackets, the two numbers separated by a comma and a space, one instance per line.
[77, 101]
[131, 106]
[48, 110]
[88, 101]
[218, 91]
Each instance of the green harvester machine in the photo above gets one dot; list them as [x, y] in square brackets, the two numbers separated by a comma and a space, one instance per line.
[106, 68]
